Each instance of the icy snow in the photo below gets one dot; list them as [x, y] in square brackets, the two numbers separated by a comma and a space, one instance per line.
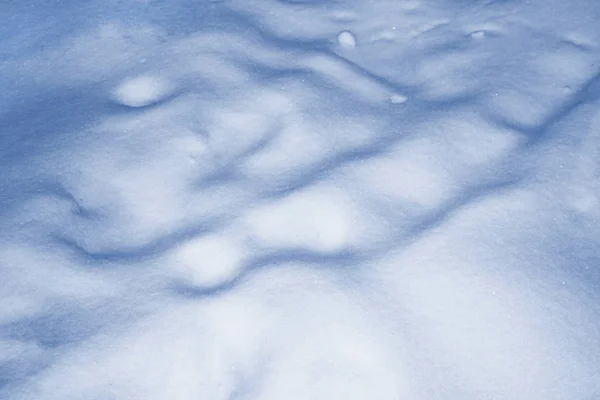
[286, 199]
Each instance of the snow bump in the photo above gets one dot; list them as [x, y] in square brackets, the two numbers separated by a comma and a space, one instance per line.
[208, 261]
[142, 91]
[346, 39]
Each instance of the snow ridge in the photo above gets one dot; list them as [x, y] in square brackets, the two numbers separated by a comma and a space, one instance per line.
[300, 199]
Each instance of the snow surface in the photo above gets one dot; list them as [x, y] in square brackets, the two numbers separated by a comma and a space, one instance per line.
[243, 199]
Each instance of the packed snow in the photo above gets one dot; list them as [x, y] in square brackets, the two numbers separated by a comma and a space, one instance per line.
[287, 199]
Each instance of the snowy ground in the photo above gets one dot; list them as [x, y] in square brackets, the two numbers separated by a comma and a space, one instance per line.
[389, 199]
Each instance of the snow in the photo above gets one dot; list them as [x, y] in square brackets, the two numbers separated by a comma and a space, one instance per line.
[289, 199]
[141, 91]
[208, 261]
[398, 98]
[346, 39]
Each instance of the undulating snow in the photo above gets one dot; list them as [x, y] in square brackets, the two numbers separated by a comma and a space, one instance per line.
[244, 199]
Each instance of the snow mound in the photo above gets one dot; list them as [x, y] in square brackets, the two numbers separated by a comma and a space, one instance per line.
[141, 91]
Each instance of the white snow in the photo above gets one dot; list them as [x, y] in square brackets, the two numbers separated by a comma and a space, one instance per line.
[286, 199]
[346, 39]
[319, 220]
[141, 91]
[208, 261]
[398, 98]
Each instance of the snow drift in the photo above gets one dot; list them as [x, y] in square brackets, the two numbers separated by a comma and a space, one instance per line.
[300, 199]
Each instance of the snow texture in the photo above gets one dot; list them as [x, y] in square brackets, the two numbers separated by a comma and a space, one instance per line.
[285, 199]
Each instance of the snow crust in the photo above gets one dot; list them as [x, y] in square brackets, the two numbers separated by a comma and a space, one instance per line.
[285, 199]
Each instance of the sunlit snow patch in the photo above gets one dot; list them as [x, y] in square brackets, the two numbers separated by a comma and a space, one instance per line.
[142, 91]
[346, 39]
[208, 261]
[398, 98]
[315, 220]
